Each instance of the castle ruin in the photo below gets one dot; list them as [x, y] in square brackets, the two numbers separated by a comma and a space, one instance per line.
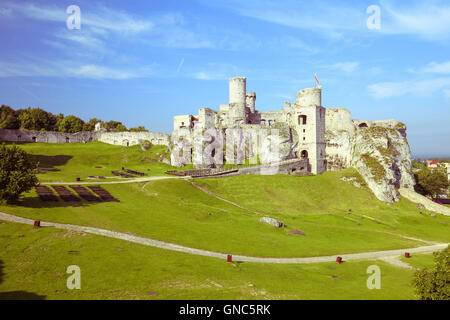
[302, 123]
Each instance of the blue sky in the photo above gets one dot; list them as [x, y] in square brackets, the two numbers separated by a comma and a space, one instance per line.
[142, 62]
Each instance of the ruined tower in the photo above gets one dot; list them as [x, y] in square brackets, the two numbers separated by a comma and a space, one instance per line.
[238, 89]
[309, 122]
[250, 101]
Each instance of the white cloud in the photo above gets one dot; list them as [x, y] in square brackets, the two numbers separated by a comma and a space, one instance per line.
[347, 67]
[70, 69]
[442, 68]
[421, 88]
[427, 20]
[104, 18]
[325, 18]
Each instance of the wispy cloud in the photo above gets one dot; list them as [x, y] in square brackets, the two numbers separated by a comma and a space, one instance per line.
[421, 88]
[104, 18]
[69, 69]
[347, 67]
[434, 67]
[426, 20]
[326, 18]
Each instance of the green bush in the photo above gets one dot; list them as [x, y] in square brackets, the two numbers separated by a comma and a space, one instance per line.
[430, 182]
[17, 172]
[434, 284]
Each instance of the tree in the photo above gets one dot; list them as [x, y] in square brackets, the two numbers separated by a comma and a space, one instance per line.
[8, 118]
[56, 121]
[430, 182]
[71, 124]
[434, 284]
[90, 126]
[35, 119]
[115, 126]
[17, 172]
[138, 129]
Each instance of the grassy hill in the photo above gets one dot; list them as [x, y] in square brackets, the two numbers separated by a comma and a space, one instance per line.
[33, 264]
[335, 216]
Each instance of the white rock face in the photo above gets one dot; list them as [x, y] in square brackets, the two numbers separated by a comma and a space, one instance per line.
[378, 150]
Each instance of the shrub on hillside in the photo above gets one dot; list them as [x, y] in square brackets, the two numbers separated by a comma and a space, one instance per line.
[145, 145]
[434, 284]
[430, 182]
[17, 172]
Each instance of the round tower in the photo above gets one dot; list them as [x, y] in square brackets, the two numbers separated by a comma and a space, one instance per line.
[238, 90]
[309, 97]
[250, 98]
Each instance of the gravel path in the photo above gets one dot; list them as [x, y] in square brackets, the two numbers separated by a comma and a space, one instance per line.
[175, 247]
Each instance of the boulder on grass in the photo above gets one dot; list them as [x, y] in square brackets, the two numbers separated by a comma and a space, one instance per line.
[272, 222]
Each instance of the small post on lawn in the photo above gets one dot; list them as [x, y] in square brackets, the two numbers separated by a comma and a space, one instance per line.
[229, 258]
[339, 260]
[407, 255]
[37, 223]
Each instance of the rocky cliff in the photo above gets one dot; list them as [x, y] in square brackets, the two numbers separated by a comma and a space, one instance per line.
[379, 151]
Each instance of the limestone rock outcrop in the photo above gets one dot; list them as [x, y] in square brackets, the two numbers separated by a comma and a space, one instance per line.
[379, 151]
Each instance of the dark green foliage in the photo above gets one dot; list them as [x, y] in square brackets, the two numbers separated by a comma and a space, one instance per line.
[430, 182]
[417, 164]
[17, 172]
[36, 119]
[8, 118]
[115, 126]
[90, 126]
[138, 129]
[71, 124]
[434, 284]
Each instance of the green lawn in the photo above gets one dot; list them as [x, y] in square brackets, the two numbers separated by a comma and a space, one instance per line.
[33, 264]
[336, 217]
[72, 160]
[174, 211]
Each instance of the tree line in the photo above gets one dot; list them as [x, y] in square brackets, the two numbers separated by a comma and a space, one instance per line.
[41, 120]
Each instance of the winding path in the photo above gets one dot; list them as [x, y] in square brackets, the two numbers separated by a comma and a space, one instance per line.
[175, 247]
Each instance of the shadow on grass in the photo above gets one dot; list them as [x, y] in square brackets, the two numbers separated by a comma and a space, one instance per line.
[17, 295]
[36, 202]
[49, 162]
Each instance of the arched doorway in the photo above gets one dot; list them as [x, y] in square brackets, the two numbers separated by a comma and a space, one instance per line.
[304, 154]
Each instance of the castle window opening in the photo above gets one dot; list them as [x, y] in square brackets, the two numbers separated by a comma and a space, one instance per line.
[363, 125]
[304, 154]
[304, 130]
[304, 138]
[270, 122]
[340, 116]
[302, 119]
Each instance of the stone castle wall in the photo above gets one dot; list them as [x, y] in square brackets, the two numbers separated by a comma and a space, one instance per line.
[115, 138]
